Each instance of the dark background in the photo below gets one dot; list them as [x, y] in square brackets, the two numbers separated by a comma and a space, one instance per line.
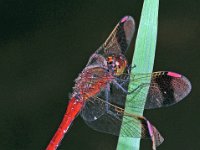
[45, 44]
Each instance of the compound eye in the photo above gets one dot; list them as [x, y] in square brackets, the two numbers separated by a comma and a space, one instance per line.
[120, 66]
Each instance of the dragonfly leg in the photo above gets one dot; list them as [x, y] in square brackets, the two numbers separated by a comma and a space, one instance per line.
[125, 81]
[120, 86]
[130, 68]
[126, 91]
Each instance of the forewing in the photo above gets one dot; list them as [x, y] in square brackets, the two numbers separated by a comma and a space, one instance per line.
[165, 89]
[120, 38]
[117, 42]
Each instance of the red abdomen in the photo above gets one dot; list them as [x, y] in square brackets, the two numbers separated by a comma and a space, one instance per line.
[73, 109]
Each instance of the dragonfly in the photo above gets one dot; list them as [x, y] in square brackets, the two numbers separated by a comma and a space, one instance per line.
[101, 88]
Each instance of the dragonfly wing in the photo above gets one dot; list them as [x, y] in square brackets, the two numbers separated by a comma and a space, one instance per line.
[107, 123]
[93, 109]
[133, 126]
[117, 42]
[142, 128]
[165, 89]
[120, 38]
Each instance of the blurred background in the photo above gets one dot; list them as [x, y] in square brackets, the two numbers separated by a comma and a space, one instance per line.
[45, 44]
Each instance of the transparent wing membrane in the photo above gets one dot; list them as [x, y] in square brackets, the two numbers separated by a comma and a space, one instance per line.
[116, 43]
[111, 120]
[165, 89]
[119, 39]
[93, 109]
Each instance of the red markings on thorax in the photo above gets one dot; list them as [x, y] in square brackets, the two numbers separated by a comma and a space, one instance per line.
[91, 81]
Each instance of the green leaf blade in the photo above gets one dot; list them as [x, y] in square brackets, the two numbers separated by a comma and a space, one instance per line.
[143, 58]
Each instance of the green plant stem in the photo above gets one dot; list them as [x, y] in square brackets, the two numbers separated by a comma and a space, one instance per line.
[143, 58]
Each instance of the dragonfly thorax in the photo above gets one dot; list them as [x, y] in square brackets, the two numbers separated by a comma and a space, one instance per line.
[116, 64]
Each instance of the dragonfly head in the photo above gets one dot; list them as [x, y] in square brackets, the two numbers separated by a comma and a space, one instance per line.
[116, 64]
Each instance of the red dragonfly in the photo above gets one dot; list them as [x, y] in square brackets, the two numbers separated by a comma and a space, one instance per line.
[100, 91]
